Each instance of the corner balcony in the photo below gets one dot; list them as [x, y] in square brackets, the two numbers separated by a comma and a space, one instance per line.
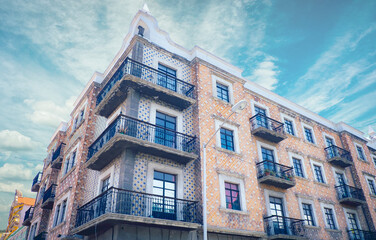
[148, 81]
[28, 216]
[41, 236]
[284, 228]
[338, 156]
[57, 157]
[49, 197]
[267, 128]
[128, 132]
[275, 174]
[36, 182]
[117, 206]
[350, 195]
[355, 234]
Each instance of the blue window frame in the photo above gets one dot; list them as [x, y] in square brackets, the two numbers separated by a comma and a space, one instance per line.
[232, 196]
[308, 214]
[289, 127]
[227, 139]
[222, 92]
[318, 173]
[165, 133]
[308, 134]
[298, 167]
[167, 77]
[360, 153]
[329, 216]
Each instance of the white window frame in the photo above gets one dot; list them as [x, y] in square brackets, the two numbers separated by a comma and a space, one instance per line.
[301, 158]
[215, 80]
[337, 170]
[347, 210]
[312, 131]
[168, 64]
[234, 180]
[270, 193]
[36, 224]
[357, 154]
[231, 127]
[60, 204]
[373, 158]
[154, 107]
[65, 171]
[322, 169]
[103, 175]
[325, 135]
[292, 120]
[77, 115]
[310, 202]
[330, 206]
[257, 104]
[372, 178]
[259, 152]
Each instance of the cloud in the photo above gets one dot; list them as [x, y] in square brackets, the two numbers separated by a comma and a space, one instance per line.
[10, 187]
[11, 171]
[266, 74]
[15, 141]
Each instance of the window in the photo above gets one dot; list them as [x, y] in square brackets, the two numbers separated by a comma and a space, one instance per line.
[167, 77]
[261, 119]
[223, 92]
[70, 162]
[33, 230]
[63, 208]
[359, 149]
[227, 139]
[165, 133]
[308, 135]
[374, 160]
[298, 167]
[289, 127]
[60, 213]
[329, 141]
[57, 213]
[164, 185]
[353, 225]
[340, 178]
[371, 185]
[329, 218]
[105, 184]
[308, 215]
[78, 119]
[232, 196]
[318, 173]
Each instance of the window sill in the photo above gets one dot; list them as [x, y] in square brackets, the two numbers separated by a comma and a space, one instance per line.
[312, 227]
[58, 226]
[332, 230]
[322, 184]
[361, 160]
[302, 178]
[222, 101]
[68, 173]
[227, 151]
[226, 210]
[312, 144]
[372, 195]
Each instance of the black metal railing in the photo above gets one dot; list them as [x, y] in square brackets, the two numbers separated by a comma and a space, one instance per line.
[334, 151]
[356, 234]
[275, 225]
[37, 178]
[143, 131]
[149, 74]
[49, 193]
[57, 152]
[270, 168]
[260, 120]
[346, 191]
[41, 236]
[29, 213]
[122, 201]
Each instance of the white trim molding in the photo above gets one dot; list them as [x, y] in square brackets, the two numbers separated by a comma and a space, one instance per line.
[267, 146]
[312, 131]
[310, 202]
[231, 179]
[270, 193]
[110, 172]
[215, 80]
[330, 206]
[312, 162]
[292, 120]
[301, 158]
[228, 126]
[357, 154]
[254, 103]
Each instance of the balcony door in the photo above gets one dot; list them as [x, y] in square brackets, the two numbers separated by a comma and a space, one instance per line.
[261, 117]
[164, 185]
[269, 166]
[165, 132]
[341, 181]
[167, 77]
[354, 229]
[331, 151]
[276, 210]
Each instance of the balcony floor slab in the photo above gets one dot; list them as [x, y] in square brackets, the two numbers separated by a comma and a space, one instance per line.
[268, 135]
[277, 182]
[339, 161]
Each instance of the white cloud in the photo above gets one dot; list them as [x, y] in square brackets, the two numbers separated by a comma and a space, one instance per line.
[15, 141]
[10, 187]
[11, 171]
[266, 74]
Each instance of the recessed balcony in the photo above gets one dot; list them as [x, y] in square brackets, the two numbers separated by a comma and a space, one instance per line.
[117, 206]
[36, 182]
[57, 157]
[28, 216]
[338, 156]
[275, 174]
[356, 234]
[267, 128]
[350, 195]
[128, 132]
[49, 197]
[284, 228]
[148, 81]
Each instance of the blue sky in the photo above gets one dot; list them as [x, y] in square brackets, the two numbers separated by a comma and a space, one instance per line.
[320, 54]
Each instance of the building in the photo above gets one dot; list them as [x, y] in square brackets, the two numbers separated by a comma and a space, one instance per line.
[18, 209]
[128, 164]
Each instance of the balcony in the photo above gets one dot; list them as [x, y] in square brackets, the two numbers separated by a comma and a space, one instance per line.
[148, 81]
[355, 234]
[127, 132]
[338, 156]
[49, 197]
[350, 195]
[117, 206]
[278, 227]
[57, 157]
[267, 128]
[41, 236]
[28, 216]
[275, 174]
[36, 182]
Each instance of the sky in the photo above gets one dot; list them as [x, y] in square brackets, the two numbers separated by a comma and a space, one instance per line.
[319, 54]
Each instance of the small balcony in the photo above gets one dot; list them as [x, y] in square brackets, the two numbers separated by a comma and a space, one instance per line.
[36, 182]
[275, 174]
[49, 197]
[127, 132]
[355, 234]
[267, 128]
[350, 195]
[28, 216]
[279, 227]
[121, 206]
[57, 157]
[338, 156]
[148, 81]
[41, 236]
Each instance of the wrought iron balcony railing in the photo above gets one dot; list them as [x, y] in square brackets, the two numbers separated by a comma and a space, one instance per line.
[270, 168]
[345, 191]
[57, 152]
[127, 202]
[334, 151]
[37, 178]
[149, 74]
[49, 193]
[356, 234]
[276, 225]
[144, 131]
[260, 120]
